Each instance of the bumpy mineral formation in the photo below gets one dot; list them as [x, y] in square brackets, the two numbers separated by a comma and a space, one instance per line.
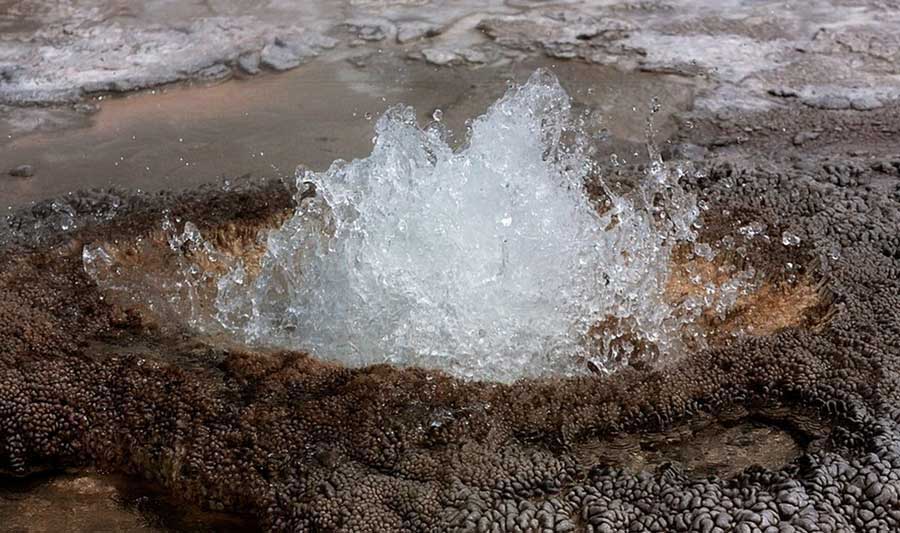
[305, 445]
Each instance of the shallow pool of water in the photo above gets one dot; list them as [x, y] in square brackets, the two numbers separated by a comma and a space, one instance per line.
[181, 136]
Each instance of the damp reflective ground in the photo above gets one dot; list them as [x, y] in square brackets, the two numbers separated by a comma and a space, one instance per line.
[180, 136]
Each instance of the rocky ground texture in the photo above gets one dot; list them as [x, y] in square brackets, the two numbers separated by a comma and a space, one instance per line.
[825, 54]
[304, 445]
[794, 127]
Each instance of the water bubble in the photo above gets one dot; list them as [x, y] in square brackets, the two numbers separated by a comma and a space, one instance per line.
[790, 239]
[704, 250]
[64, 214]
[752, 229]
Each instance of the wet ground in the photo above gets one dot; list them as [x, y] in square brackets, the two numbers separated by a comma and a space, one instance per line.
[87, 500]
[182, 136]
[790, 110]
[64, 67]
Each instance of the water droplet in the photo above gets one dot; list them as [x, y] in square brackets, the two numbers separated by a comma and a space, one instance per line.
[752, 229]
[704, 250]
[790, 239]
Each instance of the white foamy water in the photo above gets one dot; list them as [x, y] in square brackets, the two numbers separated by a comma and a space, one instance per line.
[490, 261]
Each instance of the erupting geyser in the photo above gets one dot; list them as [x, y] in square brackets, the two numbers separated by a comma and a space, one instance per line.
[490, 261]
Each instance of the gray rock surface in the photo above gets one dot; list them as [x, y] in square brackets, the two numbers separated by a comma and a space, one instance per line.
[372, 28]
[116, 57]
[249, 62]
[22, 171]
[291, 49]
[414, 30]
[834, 55]
[439, 56]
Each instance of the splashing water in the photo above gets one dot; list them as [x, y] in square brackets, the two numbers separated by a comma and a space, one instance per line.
[491, 261]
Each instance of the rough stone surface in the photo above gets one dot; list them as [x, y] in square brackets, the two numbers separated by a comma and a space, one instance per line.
[826, 54]
[414, 30]
[249, 63]
[439, 56]
[290, 50]
[116, 57]
[22, 171]
[795, 125]
[307, 446]
[371, 28]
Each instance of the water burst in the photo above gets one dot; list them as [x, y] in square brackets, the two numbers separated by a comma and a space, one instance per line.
[490, 261]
